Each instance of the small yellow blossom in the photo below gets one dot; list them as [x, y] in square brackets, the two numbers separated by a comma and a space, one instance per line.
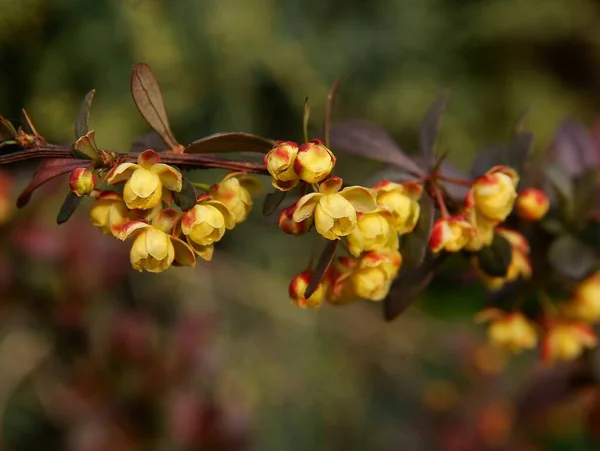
[314, 161]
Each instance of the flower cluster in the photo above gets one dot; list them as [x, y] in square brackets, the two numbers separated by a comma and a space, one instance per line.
[564, 332]
[367, 220]
[139, 206]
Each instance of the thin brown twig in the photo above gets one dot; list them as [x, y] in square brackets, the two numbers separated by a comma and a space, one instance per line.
[328, 111]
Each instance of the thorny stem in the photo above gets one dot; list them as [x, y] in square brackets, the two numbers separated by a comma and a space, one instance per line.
[455, 181]
[187, 161]
[440, 200]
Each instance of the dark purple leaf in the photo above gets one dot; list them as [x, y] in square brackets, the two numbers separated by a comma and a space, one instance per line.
[83, 115]
[495, 259]
[519, 150]
[370, 141]
[409, 285]
[322, 266]
[413, 246]
[186, 198]
[68, 207]
[149, 100]
[230, 142]
[430, 126]
[488, 158]
[46, 171]
[570, 257]
[272, 201]
[573, 148]
[447, 169]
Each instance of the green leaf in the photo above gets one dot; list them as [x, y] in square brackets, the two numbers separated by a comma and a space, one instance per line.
[149, 100]
[370, 141]
[570, 257]
[409, 285]
[413, 246]
[495, 259]
[322, 266]
[230, 142]
[46, 171]
[272, 201]
[430, 126]
[85, 147]
[83, 115]
[68, 207]
[186, 198]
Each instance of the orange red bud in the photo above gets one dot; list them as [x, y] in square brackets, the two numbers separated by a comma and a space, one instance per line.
[298, 287]
[288, 225]
[532, 204]
[82, 181]
[314, 161]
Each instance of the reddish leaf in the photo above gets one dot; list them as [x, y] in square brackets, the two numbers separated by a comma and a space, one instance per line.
[149, 100]
[570, 257]
[430, 127]
[7, 130]
[150, 140]
[495, 259]
[230, 142]
[413, 246]
[272, 201]
[409, 285]
[370, 141]
[68, 207]
[322, 266]
[46, 171]
[186, 198]
[488, 158]
[83, 115]
[573, 148]
[519, 150]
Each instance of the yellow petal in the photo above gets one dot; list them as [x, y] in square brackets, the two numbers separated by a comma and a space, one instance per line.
[305, 207]
[170, 177]
[363, 199]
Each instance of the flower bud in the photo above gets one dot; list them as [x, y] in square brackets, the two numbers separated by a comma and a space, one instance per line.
[288, 225]
[511, 331]
[374, 274]
[82, 181]
[452, 234]
[585, 304]
[532, 204]
[372, 232]
[205, 224]
[280, 164]
[566, 341]
[402, 201]
[314, 161]
[235, 197]
[494, 193]
[298, 287]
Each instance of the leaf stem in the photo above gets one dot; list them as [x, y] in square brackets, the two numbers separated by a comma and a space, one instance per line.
[328, 112]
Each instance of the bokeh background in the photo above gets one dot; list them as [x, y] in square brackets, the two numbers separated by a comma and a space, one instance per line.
[95, 357]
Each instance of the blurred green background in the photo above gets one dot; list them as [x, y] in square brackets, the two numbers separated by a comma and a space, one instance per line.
[260, 374]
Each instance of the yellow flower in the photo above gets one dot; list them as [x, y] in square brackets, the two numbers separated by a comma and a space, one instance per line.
[585, 304]
[511, 331]
[109, 212]
[372, 232]
[483, 233]
[82, 181]
[288, 225]
[402, 201]
[298, 287]
[234, 195]
[280, 164]
[374, 274]
[147, 182]
[566, 341]
[154, 249]
[314, 161]
[334, 210]
[493, 194]
[205, 224]
[452, 234]
[532, 204]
